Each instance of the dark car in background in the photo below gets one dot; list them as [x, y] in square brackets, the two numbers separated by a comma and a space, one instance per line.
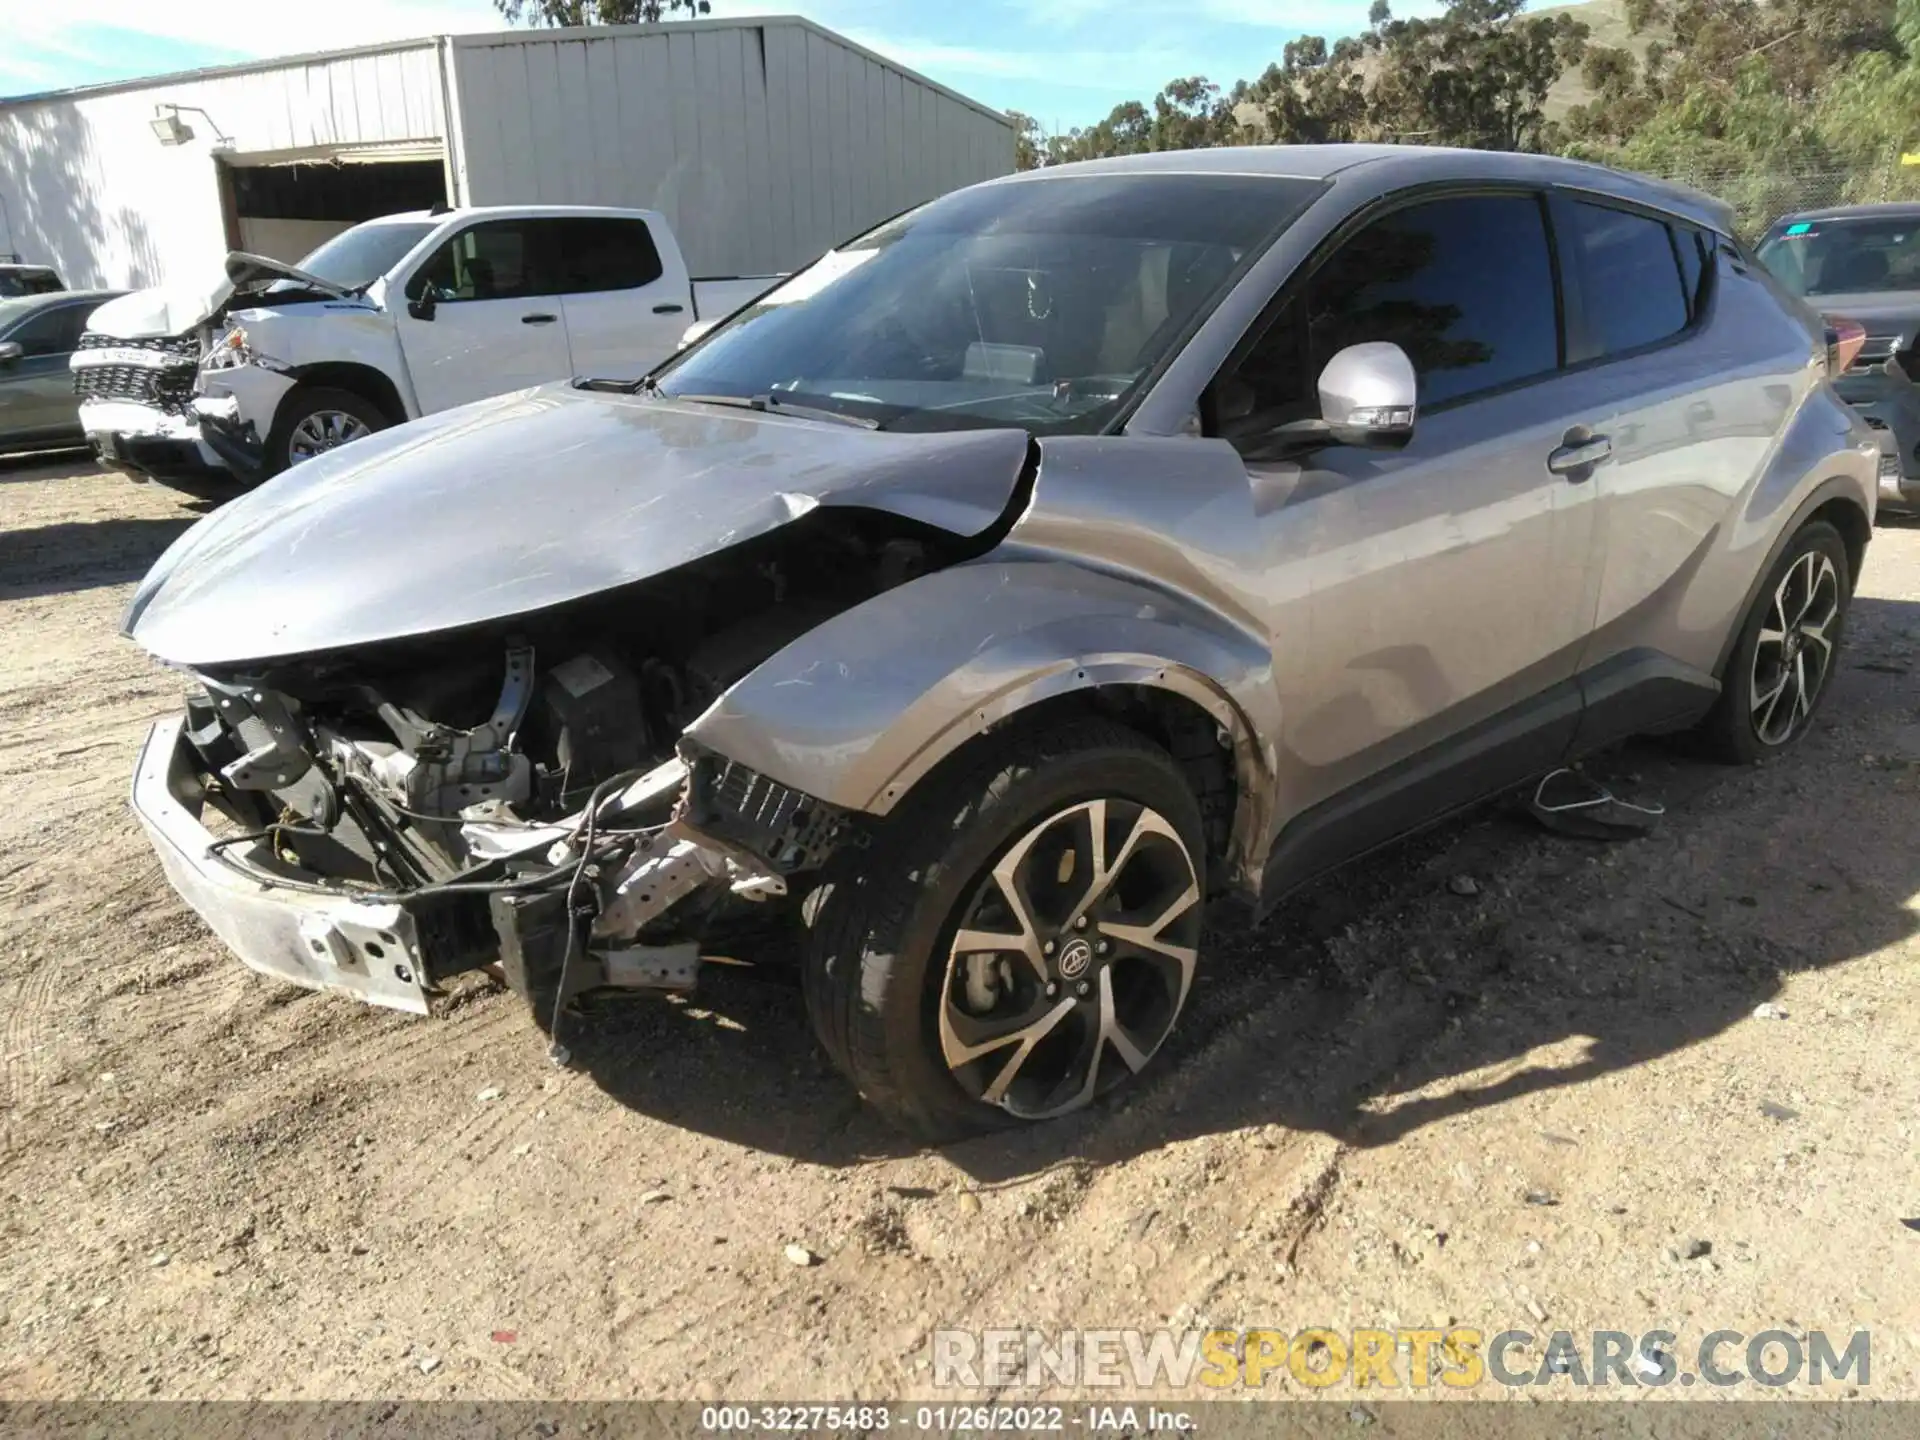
[1862, 263]
[38, 407]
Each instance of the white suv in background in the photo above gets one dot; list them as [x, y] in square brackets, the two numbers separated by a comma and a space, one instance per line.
[393, 319]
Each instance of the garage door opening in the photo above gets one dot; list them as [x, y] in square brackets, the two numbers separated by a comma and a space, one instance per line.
[286, 210]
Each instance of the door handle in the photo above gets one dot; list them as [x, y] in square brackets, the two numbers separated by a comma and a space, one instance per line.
[668, 309]
[1577, 457]
[538, 319]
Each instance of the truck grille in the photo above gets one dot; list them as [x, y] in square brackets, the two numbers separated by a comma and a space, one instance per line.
[169, 390]
[183, 347]
[155, 372]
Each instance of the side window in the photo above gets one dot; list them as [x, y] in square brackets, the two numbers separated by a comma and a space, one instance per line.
[51, 332]
[495, 260]
[1464, 285]
[605, 254]
[1630, 277]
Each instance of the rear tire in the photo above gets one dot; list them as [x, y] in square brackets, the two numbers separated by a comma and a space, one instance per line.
[1789, 646]
[948, 1037]
[315, 419]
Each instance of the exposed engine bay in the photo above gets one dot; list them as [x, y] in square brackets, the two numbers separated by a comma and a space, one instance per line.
[521, 791]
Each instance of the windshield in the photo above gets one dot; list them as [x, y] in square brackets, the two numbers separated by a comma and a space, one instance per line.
[355, 258]
[1037, 303]
[1845, 256]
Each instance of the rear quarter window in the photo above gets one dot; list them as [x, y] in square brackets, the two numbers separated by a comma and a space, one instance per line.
[606, 254]
[1631, 278]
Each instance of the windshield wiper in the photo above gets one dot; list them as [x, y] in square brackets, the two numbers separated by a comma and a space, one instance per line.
[768, 404]
[774, 401]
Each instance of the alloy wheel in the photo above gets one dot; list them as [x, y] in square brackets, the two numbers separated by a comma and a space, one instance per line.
[322, 431]
[1073, 959]
[1794, 653]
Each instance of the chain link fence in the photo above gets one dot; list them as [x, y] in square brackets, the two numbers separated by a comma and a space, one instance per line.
[1761, 196]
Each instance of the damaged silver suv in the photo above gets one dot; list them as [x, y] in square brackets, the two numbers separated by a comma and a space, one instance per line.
[1070, 550]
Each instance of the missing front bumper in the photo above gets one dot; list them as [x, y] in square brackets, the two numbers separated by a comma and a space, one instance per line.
[323, 942]
[387, 953]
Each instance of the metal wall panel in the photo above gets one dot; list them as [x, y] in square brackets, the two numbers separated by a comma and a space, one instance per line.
[764, 142]
[86, 187]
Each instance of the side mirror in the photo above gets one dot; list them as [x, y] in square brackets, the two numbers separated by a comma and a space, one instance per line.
[10, 351]
[421, 306]
[1369, 396]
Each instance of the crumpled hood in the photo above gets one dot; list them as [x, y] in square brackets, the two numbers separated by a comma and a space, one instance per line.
[161, 311]
[525, 501]
[256, 272]
[166, 310]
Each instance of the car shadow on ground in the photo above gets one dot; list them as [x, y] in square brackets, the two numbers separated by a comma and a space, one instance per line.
[71, 555]
[1379, 1002]
[83, 554]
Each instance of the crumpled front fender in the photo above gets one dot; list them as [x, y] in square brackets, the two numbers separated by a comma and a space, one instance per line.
[856, 711]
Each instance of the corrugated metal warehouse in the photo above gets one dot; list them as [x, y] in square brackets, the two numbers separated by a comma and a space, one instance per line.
[764, 142]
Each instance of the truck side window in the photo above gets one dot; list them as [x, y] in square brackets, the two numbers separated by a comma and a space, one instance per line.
[605, 254]
[495, 260]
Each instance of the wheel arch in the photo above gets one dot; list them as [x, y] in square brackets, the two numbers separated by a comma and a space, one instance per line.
[1846, 515]
[366, 381]
[1201, 730]
[1835, 500]
[861, 709]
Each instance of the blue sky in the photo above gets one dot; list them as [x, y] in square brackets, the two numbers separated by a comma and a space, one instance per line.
[1065, 61]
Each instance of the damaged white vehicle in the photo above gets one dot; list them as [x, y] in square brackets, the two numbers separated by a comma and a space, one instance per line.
[396, 318]
[978, 603]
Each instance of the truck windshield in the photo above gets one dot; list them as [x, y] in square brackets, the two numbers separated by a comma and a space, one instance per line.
[355, 258]
[1845, 256]
[1036, 303]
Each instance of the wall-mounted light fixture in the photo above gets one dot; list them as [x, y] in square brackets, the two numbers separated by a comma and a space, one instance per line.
[170, 129]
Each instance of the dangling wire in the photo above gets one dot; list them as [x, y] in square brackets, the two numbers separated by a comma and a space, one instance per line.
[557, 1053]
[1605, 797]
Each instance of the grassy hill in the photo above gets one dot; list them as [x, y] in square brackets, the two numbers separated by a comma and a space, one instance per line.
[1607, 19]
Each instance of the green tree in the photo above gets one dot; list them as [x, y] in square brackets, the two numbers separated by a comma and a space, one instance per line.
[1191, 114]
[1127, 130]
[596, 12]
[1477, 75]
[1751, 85]
[1029, 141]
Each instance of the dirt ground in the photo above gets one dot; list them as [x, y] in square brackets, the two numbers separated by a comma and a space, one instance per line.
[1392, 1105]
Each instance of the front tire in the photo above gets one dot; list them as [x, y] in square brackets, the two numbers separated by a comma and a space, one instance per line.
[1019, 938]
[1789, 647]
[316, 419]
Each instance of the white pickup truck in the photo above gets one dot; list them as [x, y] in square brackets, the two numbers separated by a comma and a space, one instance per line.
[396, 318]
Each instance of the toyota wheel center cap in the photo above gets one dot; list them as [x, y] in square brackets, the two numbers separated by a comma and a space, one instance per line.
[1075, 956]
